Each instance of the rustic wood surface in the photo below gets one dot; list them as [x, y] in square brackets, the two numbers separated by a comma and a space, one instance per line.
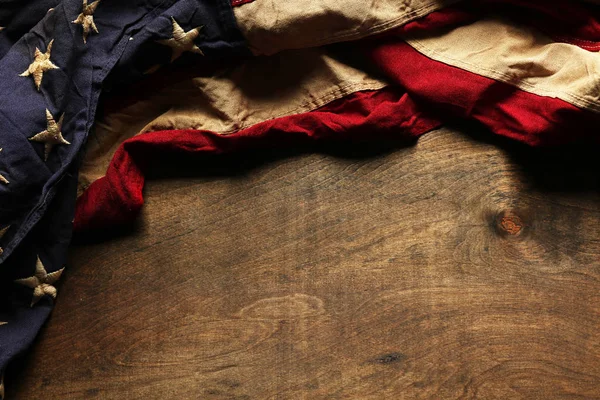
[459, 267]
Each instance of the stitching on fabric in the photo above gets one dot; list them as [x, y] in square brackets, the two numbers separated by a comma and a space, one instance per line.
[308, 106]
[401, 20]
[584, 44]
[414, 14]
[337, 93]
[566, 39]
[506, 78]
[575, 99]
[36, 212]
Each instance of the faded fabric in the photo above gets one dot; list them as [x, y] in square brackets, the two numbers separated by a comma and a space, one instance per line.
[226, 101]
[177, 79]
[519, 55]
[50, 82]
[271, 26]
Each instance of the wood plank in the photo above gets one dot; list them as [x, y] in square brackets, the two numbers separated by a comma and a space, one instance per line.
[454, 268]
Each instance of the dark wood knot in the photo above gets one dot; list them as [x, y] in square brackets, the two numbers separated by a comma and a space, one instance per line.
[510, 224]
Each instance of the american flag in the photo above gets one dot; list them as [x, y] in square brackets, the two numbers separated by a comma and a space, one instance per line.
[221, 76]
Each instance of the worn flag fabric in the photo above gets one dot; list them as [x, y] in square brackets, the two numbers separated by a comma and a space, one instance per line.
[56, 59]
[526, 71]
[214, 76]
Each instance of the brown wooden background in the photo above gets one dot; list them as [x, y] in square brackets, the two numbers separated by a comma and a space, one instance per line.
[460, 267]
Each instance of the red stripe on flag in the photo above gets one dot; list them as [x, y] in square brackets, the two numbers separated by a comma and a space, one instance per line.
[235, 3]
[505, 109]
[117, 197]
[574, 22]
[389, 113]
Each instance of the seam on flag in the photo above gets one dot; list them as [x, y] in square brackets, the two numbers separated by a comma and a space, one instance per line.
[572, 98]
[343, 35]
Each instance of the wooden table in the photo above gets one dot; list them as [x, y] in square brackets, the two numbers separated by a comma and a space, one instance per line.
[460, 267]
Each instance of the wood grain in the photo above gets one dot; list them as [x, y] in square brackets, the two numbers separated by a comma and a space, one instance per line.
[457, 268]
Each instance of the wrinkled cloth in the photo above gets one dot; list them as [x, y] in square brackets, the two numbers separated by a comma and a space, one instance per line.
[524, 69]
[39, 174]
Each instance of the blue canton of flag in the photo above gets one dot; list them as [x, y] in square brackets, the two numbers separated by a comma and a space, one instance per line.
[55, 58]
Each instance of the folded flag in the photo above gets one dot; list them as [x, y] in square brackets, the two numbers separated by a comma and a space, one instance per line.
[213, 76]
